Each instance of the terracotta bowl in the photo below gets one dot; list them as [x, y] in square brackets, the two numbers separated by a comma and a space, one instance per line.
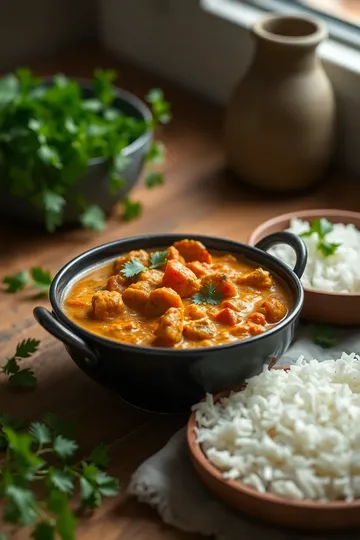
[319, 306]
[307, 514]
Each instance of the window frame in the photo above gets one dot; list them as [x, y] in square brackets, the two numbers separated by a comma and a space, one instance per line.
[339, 30]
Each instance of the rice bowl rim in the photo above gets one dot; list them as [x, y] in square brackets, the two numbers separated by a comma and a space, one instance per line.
[199, 456]
[262, 230]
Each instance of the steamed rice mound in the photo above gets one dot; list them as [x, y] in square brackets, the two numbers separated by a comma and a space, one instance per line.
[295, 434]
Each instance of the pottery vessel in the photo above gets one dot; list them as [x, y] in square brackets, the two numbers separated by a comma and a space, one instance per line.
[280, 124]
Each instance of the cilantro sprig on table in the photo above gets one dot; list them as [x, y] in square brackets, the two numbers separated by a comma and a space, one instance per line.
[44, 454]
[322, 227]
[134, 267]
[37, 277]
[324, 336]
[21, 377]
[208, 295]
[49, 133]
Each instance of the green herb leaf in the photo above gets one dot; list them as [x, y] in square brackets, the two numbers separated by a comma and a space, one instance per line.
[153, 179]
[132, 268]
[21, 508]
[40, 432]
[132, 209]
[63, 447]
[100, 456]
[158, 258]
[43, 531]
[9, 88]
[116, 182]
[53, 207]
[62, 480]
[208, 295]
[49, 156]
[121, 162]
[16, 282]
[41, 278]
[66, 523]
[108, 486]
[160, 107]
[24, 378]
[156, 154]
[26, 348]
[327, 248]
[93, 218]
[324, 336]
[320, 226]
[10, 367]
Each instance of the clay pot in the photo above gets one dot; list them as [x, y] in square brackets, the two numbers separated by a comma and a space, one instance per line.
[280, 123]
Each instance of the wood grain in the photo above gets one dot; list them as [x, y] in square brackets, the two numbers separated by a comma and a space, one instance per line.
[200, 196]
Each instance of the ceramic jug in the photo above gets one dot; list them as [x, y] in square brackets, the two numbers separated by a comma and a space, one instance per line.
[280, 123]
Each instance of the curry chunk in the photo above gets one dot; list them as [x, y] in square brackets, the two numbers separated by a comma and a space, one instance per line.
[236, 304]
[171, 326]
[140, 255]
[221, 282]
[137, 295]
[273, 310]
[107, 304]
[258, 278]
[174, 255]
[162, 299]
[228, 316]
[153, 277]
[192, 250]
[199, 269]
[180, 278]
[257, 318]
[117, 283]
[194, 311]
[199, 330]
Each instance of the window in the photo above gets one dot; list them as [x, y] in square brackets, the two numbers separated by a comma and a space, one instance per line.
[342, 16]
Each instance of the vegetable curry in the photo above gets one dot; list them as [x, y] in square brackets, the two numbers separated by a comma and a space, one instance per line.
[182, 297]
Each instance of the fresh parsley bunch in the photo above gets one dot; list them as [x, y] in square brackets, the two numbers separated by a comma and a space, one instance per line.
[50, 134]
[43, 456]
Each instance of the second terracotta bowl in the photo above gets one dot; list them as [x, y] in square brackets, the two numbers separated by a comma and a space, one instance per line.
[319, 306]
[306, 514]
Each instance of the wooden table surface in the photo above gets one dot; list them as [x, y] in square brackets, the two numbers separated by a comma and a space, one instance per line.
[200, 196]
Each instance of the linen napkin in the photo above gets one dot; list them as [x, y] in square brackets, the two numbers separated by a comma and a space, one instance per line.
[168, 482]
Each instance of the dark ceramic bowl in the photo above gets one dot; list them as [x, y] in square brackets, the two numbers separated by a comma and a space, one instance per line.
[163, 379]
[94, 185]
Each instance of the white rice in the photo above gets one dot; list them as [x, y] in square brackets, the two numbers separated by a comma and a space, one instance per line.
[295, 434]
[339, 272]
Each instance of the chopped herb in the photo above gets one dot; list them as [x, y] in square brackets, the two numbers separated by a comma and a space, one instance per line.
[39, 454]
[21, 378]
[16, 282]
[208, 295]
[38, 277]
[324, 336]
[93, 218]
[131, 209]
[132, 268]
[154, 179]
[158, 258]
[322, 227]
[49, 134]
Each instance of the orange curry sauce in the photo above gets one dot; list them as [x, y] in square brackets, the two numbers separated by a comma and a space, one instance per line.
[190, 298]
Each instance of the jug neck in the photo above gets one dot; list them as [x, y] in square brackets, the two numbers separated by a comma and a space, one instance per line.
[287, 43]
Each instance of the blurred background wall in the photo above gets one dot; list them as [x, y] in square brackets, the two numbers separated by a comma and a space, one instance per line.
[33, 30]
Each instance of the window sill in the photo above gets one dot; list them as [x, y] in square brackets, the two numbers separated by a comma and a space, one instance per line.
[330, 51]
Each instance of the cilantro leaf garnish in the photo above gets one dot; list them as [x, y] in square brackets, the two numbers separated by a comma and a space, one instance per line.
[134, 266]
[208, 295]
[324, 336]
[38, 278]
[131, 209]
[154, 179]
[158, 258]
[156, 154]
[322, 227]
[21, 378]
[37, 455]
[16, 282]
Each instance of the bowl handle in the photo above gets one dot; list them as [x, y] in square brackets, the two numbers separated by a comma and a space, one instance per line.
[291, 240]
[59, 331]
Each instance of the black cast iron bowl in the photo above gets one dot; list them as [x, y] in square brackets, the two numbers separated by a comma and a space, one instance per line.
[162, 379]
